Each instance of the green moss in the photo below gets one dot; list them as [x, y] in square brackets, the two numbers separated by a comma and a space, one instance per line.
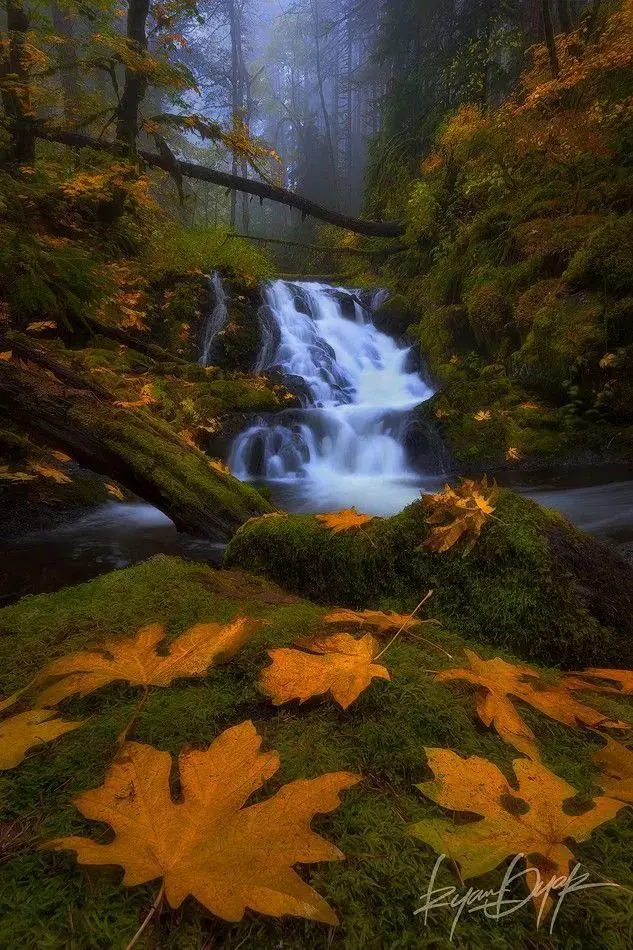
[375, 891]
[489, 313]
[565, 329]
[510, 590]
[605, 261]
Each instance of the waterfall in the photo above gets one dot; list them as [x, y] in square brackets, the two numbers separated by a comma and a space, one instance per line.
[215, 320]
[345, 446]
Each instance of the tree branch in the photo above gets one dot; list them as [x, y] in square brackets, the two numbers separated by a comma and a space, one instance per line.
[385, 229]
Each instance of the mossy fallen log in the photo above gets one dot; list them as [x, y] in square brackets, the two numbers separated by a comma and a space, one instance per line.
[532, 583]
[131, 447]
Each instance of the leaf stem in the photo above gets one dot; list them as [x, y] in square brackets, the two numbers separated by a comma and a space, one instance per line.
[124, 733]
[150, 914]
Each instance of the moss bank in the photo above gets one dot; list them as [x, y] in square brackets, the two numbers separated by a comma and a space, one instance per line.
[529, 584]
[47, 901]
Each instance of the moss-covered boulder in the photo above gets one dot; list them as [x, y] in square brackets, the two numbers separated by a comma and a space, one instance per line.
[394, 316]
[532, 583]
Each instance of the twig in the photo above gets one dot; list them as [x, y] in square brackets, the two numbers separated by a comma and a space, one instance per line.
[410, 617]
[152, 911]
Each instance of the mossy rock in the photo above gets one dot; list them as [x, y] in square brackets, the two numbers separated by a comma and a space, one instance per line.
[489, 312]
[567, 328]
[376, 888]
[394, 316]
[604, 262]
[518, 588]
[553, 241]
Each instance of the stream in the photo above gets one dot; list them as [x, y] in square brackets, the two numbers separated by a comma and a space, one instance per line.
[348, 444]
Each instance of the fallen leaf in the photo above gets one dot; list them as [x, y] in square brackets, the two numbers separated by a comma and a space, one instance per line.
[483, 415]
[617, 681]
[219, 466]
[135, 660]
[61, 456]
[21, 732]
[115, 491]
[226, 856]
[539, 834]
[383, 622]
[345, 520]
[49, 471]
[40, 325]
[188, 437]
[616, 763]
[12, 699]
[338, 664]
[9, 476]
[6, 355]
[513, 455]
[497, 681]
[459, 513]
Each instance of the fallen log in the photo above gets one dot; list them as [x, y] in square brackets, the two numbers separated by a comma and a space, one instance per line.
[261, 189]
[133, 448]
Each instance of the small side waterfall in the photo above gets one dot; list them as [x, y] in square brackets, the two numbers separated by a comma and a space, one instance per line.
[345, 446]
[215, 321]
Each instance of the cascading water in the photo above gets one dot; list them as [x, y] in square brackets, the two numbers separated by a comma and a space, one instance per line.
[345, 445]
[215, 321]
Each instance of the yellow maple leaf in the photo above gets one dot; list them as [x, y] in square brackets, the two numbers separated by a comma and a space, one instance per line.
[540, 834]
[483, 415]
[188, 437]
[9, 476]
[115, 491]
[459, 513]
[338, 664]
[601, 681]
[498, 682]
[136, 660]
[49, 471]
[345, 520]
[227, 856]
[616, 764]
[6, 355]
[40, 325]
[378, 619]
[21, 732]
[219, 466]
[513, 455]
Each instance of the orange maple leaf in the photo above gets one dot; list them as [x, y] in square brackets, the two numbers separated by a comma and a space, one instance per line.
[541, 834]
[338, 664]
[229, 857]
[345, 520]
[497, 681]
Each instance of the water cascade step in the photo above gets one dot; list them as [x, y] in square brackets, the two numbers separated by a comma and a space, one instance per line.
[357, 386]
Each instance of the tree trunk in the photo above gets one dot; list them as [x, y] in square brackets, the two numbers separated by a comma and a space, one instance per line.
[135, 82]
[324, 111]
[63, 24]
[550, 41]
[564, 16]
[14, 81]
[141, 453]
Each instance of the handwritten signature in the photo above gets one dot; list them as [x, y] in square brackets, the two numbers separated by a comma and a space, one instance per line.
[496, 903]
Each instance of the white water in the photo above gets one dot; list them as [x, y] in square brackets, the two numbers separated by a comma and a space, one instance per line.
[216, 320]
[344, 447]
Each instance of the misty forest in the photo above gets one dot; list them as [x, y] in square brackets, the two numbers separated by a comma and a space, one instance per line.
[316, 485]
